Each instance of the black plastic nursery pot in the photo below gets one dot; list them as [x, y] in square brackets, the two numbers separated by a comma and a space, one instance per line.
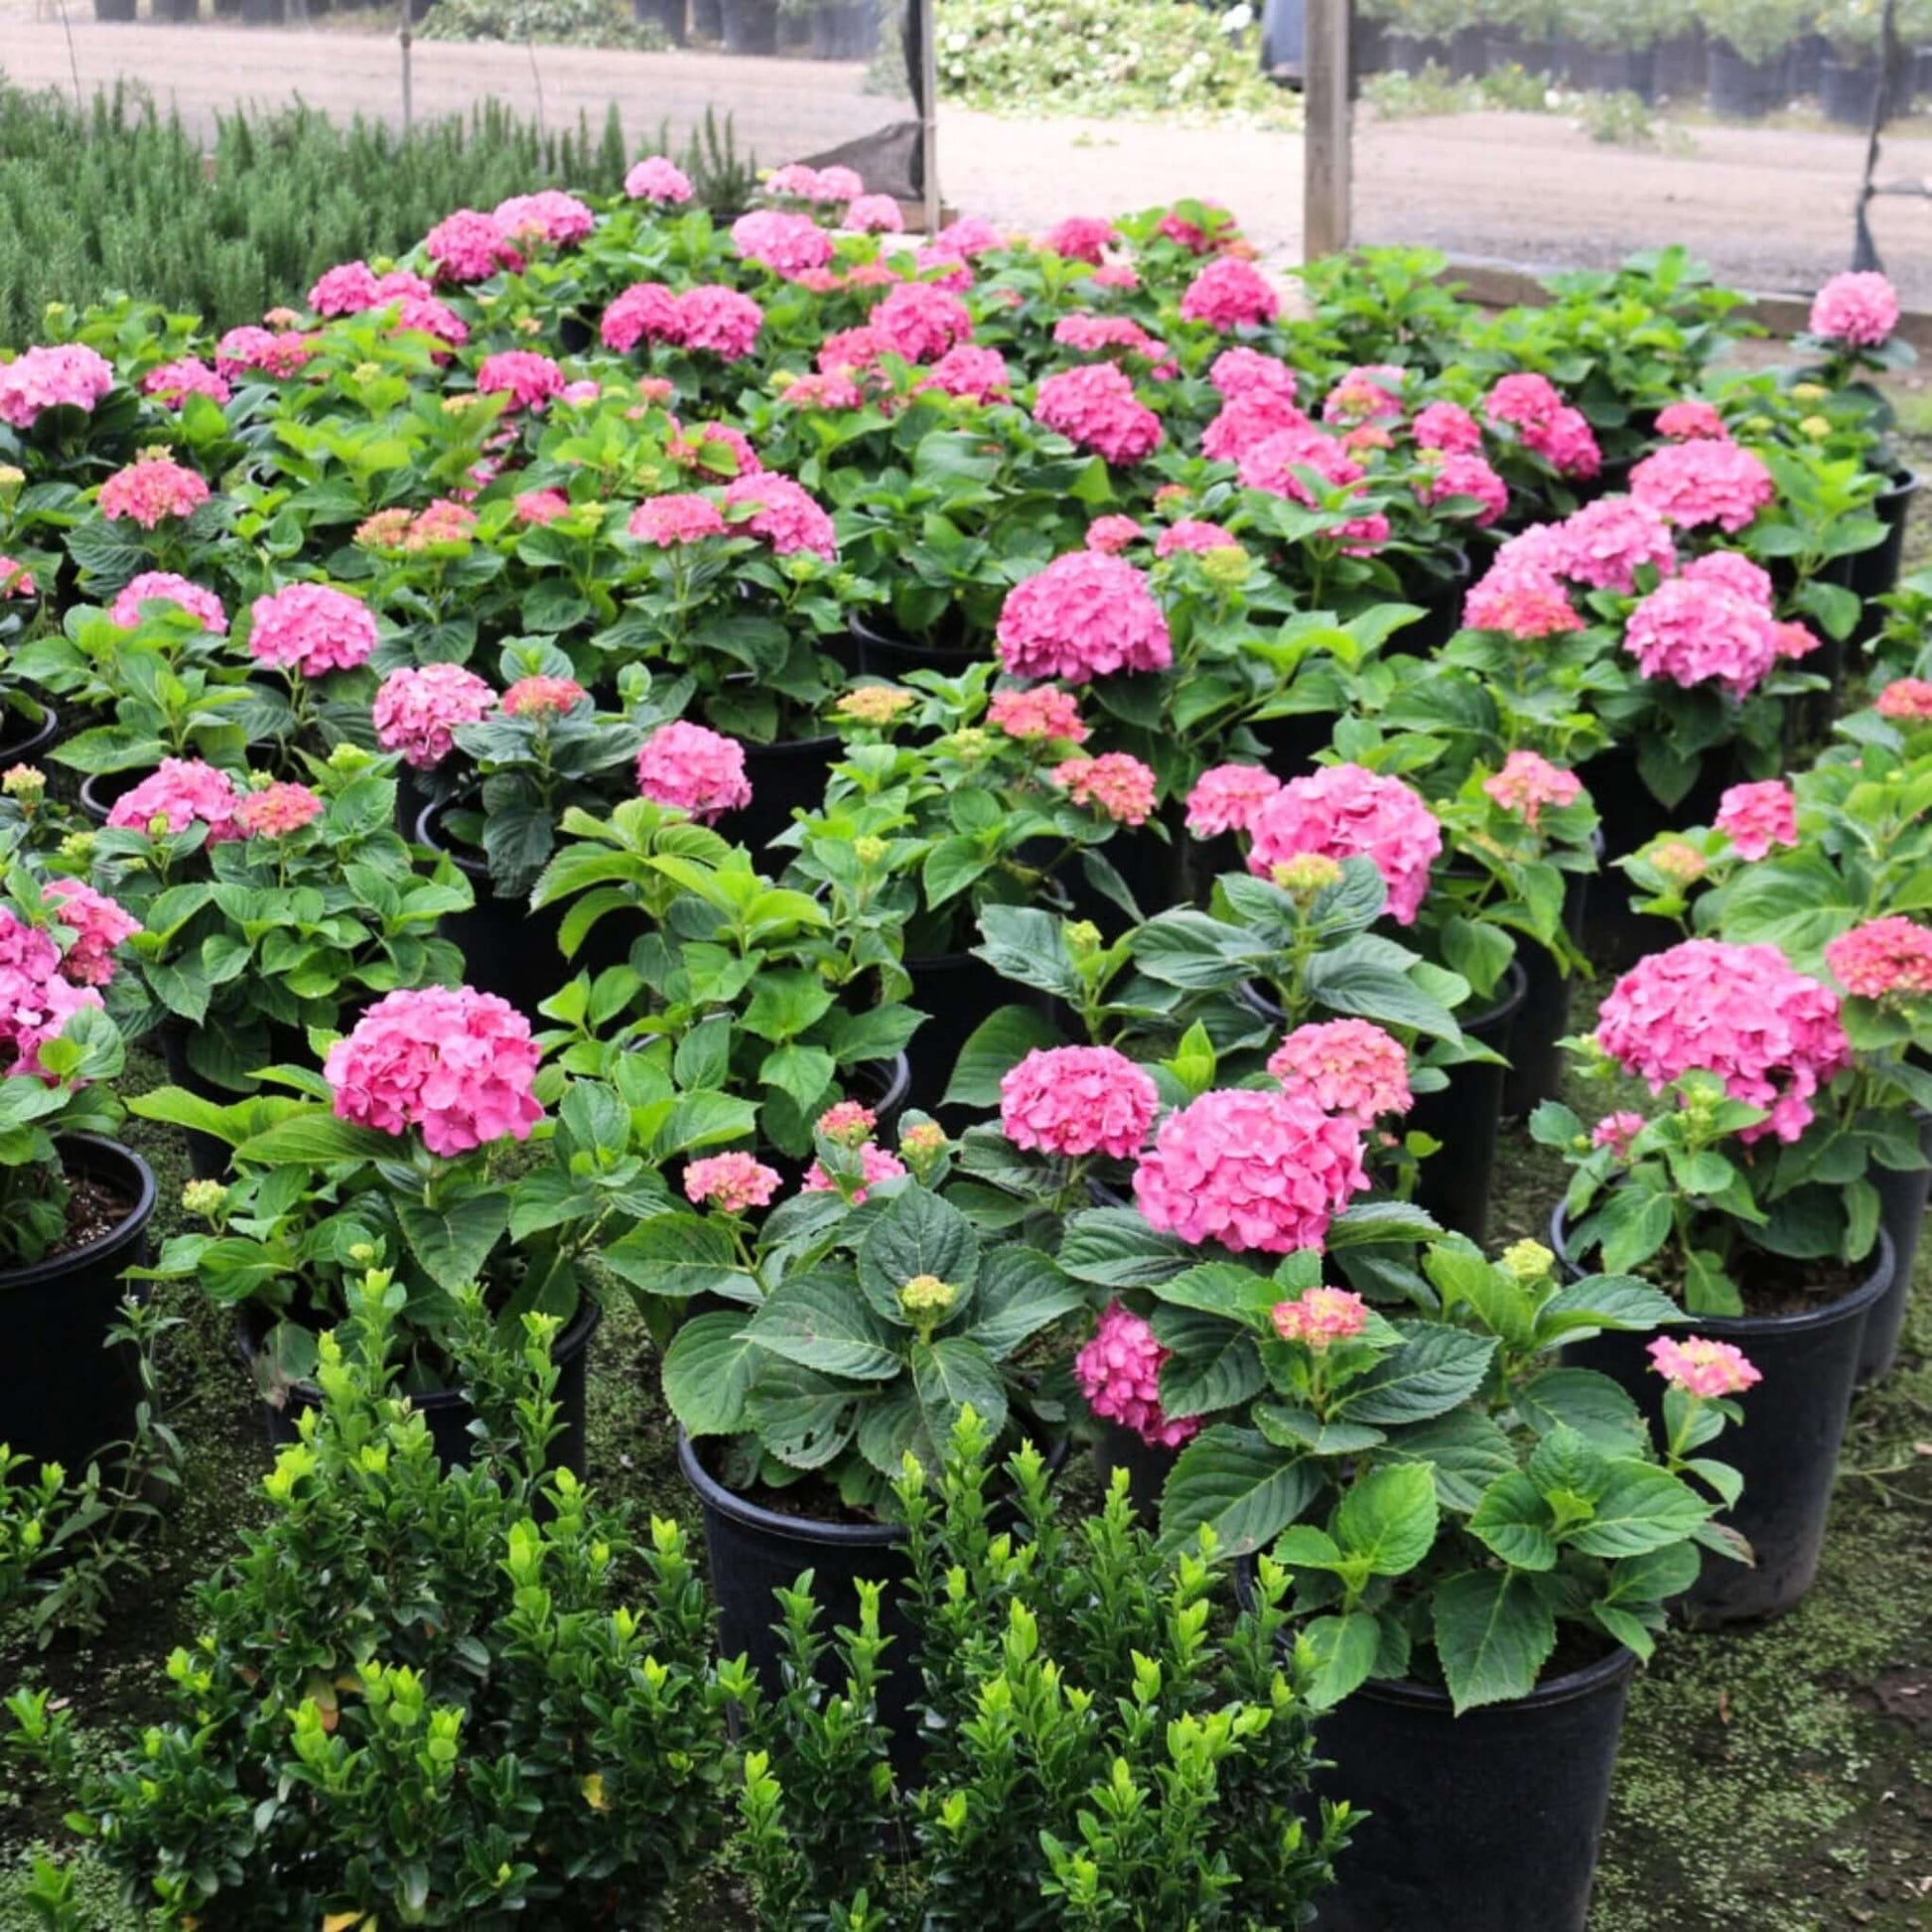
[707, 19]
[1848, 90]
[788, 776]
[1465, 1114]
[100, 790]
[1874, 573]
[957, 992]
[1804, 63]
[1741, 89]
[114, 10]
[448, 1412]
[207, 1157]
[1625, 71]
[23, 739]
[1680, 65]
[1489, 1822]
[880, 652]
[750, 26]
[1901, 1213]
[1535, 1058]
[64, 1395]
[1787, 1448]
[845, 30]
[1147, 1464]
[667, 15]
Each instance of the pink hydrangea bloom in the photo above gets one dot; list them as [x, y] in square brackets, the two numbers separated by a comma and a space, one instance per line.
[1689, 419]
[970, 371]
[1906, 701]
[1883, 959]
[1346, 1066]
[541, 507]
[68, 376]
[1081, 238]
[1615, 1132]
[1795, 640]
[1693, 630]
[542, 696]
[1242, 372]
[1226, 798]
[1192, 534]
[1229, 293]
[971, 236]
[173, 382]
[547, 215]
[1317, 1317]
[163, 586]
[1448, 427]
[700, 772]
[831, 392]
[99, 925]
[1690, 484]
[1363, 394]
[730, 1183]
[311, 628]
[644, 312]
[1702, 1369]
[720, 321]
[419, 708]
[874, 215]
[1567, 443]
[878, 1165]
[1042, 714]
[1345, 811]
[181, 791]
[469, 246]
[798, 183]
[456, 1063]
[1250, 1169]
[919, 323]
[846, 1122]
[1520, 600]
[788, 244]
[1606, 543]
[1743, 1012]
[1104, 334]
[1466, 475]
[16, 579]
[1524, 400]
[277, 810]
[347, 289]
[1077, 1100]
[1117, 276]
[153, 486]
[1085, 616]
[423, 314]
[657, 179]
[36, 999]
[1095, 407]
[268, 352]
[1249, 418]
[698, 449]
[1758, 816]
[1118, 783]
[1860, 309]
[526, 377]
[783, 514]
[1735, 571]
[1528, 781]
[677, 518]
[1109, 535]
[1277, 464]
[1119, 1372]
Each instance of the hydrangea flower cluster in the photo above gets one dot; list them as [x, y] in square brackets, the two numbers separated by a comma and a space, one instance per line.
[719, 321]
[970, 372]
[1192, 536]
[543, 696]
[1102, 334]
[68, 376]
[16, 579]
[1115, 782]
[1692, 484]
[1320, 1316]
[1858, 309]
[1606, 543]
[695, 770]
[1250, 1169]
[547, 215]
[919, 323]
[1085, 616]
[659, 179]
[878, 1166]
[1883, 959]
[471, 246]
[644, 312]
[1528, 781]
[152, 487]
[173, 382]
[276, 352]
[1743, 1012]
[1241, 371]
[677, 518]
[1702, 1369]
[1112, 534]
[165, 587]
[1448, 427]
[1041, 714]
[1616, 1132]
[1077, 1100]
[872, 215]
[1692, 417]
[1228, 294]
[1346, 1066]
[1250, 417]
[697, 448]
[1758, 816]
[730, 1183]
[1544, 423]
[180, 792]
[1095, 407]
[277, 810]
[1119, 1372]
[1345, 811]
[1465, 475]
[788, 244]
[1699, 630]
[527, 378]
[798, 183]
[36, 999]
[783, 514]
[1521, 599]
[1906, 701]
[1226, 798]
[1081, 238]
[311, 628]
[99, 925]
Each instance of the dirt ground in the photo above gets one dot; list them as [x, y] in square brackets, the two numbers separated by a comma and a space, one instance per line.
[1770, 208]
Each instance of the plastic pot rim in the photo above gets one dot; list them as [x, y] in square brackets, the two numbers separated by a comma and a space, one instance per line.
[39, 1274]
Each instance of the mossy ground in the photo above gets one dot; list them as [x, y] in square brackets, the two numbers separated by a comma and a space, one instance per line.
[1777, 1779]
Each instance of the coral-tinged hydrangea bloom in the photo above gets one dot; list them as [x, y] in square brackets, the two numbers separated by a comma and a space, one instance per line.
[1678, 862]
[1743, 1012]
[1906, 701]
[457, 1063]
[1528, 781]
[1702, 1369]
[1248, 419]
[1192, 534]
[268, 352]
[1794, 641]
[1119, 1372]
[698, 770]
[1758, 816]
[919, 323]
[1042, 714]
[1081, 238]
[423, 314]
[1606, 543]
[872, 215]
[788, 244]
[644, 312]
[874, 704]
[1112, 534]
[419, 708]
[1544, 424]
[822, 393]
[277, 810]
[1364, 394]
[1735, 572]
[1858, 309]
[1116, 275]
[70, 375]
[543, 696]
[1226, 798]
[16, 579]
[470, 246]
[1118, 783]
[1077, 1100]
[443, 522]
[1344, 811]
[1250, 1169]
[547, 215]
[675, 519]
[730, 1183]
[1466, 475]
[1190, 236]
[1520, 600]
[1689, 419]
[849, 351]
[541, 507]
[720, 321]
[697, 448]
[173, 382]
[180, 791]
[969, 371]
[1319, 1317]
[526, 377]
[36, 999]
[1616, 1132]
[878, 1167]
[1095, 407]
[311, 628]
[846, 1122]
[1083, 616]
[657, 179]
[163, 586]
[99, 925]
[783, 514]
[1448, 427]
[1238, 373]
[796, 181]
[153, 486]
[1346, 1066]
[1229, 293]
[1693, 630]
[1889, 959]
[1690, 484]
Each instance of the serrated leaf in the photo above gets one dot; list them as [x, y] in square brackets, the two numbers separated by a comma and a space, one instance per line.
[454, 1242]
[1345, 1649]
[709, 1369]
[819, 1320]
[1433, 1370]
[676, 1256]
[949, 1375]
[919, 1234]
[1236, 1482]
[1493, 1634]
[1641, 1508]
[1387, 1518]
[1018, 1292]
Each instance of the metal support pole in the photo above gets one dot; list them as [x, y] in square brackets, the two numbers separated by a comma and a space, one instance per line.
[1328, 120]
[929, 117]
[404, 39]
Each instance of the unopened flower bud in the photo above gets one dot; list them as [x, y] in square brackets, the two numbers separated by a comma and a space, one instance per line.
[873, 704]
[77, 848]
[1816, 427]
[1307, 873]
[926, 1296]
[1528, 1261]
[27, 782]
[922, 1143]
[1225, 566]
[870, 851]
[846, 1124]
[203, 1198]
[969, 745]
[1809, 391]
[1679, 863]
[349, 758]
[1083, 939]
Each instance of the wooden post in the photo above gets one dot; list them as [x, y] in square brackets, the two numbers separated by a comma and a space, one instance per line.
[929, 119]
[1327, 144]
